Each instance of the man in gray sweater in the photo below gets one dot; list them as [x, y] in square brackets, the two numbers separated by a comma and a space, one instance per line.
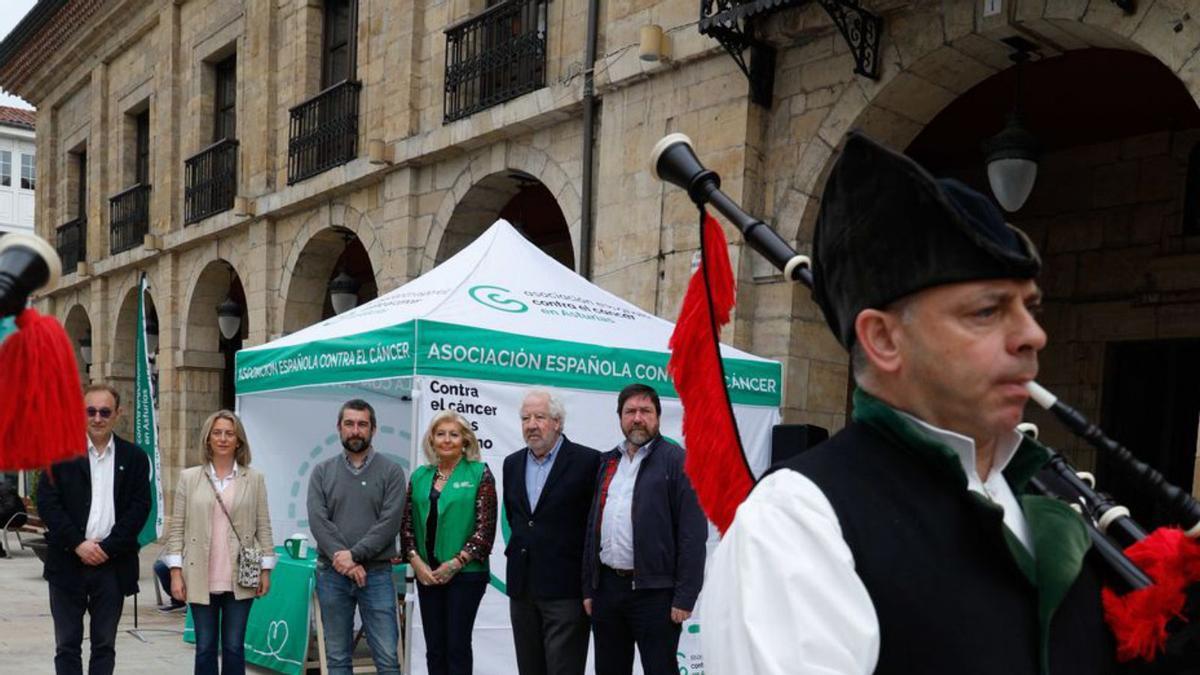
[355, 505]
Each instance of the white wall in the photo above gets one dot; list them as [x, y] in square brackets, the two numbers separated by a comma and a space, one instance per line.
[16, 203]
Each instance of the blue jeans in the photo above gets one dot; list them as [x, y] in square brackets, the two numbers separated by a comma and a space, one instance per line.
[224, 618]
[376, 603]
[164, 579]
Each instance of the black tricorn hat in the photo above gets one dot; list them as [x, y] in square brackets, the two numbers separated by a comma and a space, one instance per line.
[887, 229]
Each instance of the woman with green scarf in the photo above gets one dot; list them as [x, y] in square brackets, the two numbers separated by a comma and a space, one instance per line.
[449, 527]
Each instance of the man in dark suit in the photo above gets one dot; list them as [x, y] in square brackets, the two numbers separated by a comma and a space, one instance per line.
[547, 492]
[94, 507]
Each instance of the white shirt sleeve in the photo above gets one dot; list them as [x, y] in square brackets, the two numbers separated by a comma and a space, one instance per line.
[781, 594]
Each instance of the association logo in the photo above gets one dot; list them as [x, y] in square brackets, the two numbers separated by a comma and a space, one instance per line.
[496, 297]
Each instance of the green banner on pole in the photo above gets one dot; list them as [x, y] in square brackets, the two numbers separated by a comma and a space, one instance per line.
[145, 423]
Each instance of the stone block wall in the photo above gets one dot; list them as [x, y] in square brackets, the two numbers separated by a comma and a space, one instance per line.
[405, 210]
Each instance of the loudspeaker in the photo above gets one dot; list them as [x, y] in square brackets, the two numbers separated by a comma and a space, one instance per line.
[789, 440]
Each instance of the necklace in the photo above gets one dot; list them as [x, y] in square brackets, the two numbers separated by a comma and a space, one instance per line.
[444, 475]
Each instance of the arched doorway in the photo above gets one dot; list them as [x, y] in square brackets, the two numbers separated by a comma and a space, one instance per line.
[327, 256]
[1108, 213]
[352, 274]
[79, 330]
[519, 198]
[122, 367]
[204, 376]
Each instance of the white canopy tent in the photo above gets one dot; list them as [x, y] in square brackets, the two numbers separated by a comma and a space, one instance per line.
[472, 336]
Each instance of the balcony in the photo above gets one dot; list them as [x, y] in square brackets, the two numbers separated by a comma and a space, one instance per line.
[494, 57]
[324, 131]
[71, 243]
[129, 218]
[210, 181]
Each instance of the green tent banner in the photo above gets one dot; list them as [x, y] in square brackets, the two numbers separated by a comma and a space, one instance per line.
[437, 348]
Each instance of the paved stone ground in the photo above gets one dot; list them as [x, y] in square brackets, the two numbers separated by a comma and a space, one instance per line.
[27, 632]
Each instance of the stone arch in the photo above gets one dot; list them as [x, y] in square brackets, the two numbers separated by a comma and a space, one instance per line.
[203, 374]
[123, 347]
[122, 356]
[922, 77]
[78, 324]
[120, 291]
[314, 254]
[198, 330]
[922, 72]
[930, 57]
[524, 201]
[478, 172]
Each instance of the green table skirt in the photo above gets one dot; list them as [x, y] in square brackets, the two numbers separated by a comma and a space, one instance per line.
[277, 632]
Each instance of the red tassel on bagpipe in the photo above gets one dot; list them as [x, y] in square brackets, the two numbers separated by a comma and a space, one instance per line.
[41, 402]
[716, 463]
[1139, 618]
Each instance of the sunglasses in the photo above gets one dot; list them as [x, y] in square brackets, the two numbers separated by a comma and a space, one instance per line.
[104, 413]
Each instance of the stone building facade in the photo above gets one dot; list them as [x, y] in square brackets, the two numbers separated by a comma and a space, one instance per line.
[134, 97]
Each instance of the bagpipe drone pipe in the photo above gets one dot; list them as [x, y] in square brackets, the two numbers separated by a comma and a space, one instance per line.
[1153, 581]
[41, 401]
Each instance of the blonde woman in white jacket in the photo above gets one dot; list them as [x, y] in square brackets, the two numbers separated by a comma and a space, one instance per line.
[203, 543]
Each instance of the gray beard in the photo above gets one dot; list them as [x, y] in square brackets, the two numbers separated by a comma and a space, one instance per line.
[363, 446]
[639, 437]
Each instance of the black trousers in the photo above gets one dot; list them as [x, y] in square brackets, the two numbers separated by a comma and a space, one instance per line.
[448, 617]
[551, 636]
[103, 601]
[623, 617]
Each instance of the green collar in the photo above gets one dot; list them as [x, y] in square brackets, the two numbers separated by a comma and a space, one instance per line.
[1028, 460]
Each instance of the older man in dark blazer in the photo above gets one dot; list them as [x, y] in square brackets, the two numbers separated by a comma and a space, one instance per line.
[94, 507]
[547, 492]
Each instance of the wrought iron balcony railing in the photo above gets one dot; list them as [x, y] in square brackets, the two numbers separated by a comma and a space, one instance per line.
[71, 243]
[495, 56]
[129, 218]
[210, 181]
[323, 131]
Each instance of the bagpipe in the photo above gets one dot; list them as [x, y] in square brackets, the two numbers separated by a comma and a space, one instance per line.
[41, 400]
[1152, 588]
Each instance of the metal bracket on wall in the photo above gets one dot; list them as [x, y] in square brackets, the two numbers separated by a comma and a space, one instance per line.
[731, 23]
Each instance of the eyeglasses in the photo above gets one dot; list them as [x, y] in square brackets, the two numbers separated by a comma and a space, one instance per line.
[104, 413]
